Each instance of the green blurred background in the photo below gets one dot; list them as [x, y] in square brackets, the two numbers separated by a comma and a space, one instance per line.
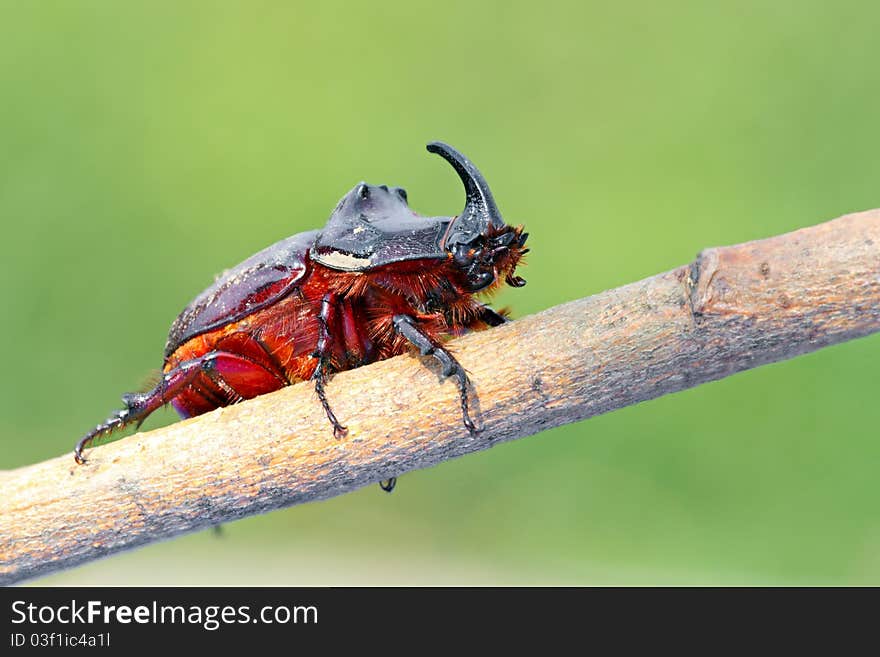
[147, 146]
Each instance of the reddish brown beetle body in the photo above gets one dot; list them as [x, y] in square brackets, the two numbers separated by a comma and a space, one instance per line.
[276, 344]
[377, 280]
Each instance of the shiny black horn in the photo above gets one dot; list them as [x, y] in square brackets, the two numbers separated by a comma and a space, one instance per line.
[479, 209]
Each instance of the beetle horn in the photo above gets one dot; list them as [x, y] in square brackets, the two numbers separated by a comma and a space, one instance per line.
[480, 210]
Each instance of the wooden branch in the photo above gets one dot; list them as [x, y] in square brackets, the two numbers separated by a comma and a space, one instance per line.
[732, 309]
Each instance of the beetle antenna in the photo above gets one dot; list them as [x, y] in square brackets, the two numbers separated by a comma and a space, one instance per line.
[480, 210]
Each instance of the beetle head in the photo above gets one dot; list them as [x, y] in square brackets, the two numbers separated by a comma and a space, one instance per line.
[373, 226]
[480, 243]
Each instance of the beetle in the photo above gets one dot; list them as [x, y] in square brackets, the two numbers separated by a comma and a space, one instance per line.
[377, 280]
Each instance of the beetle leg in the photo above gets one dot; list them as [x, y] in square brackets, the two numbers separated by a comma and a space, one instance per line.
[405, 326]
[491, 317]
[231, 373]
[321, 353]
[388, 484]
[138, 405]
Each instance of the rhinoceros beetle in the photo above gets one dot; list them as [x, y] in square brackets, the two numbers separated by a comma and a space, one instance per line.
[377, 280]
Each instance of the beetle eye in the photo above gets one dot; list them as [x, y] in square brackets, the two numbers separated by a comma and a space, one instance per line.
[401, 192]
[363, 191]
[481, 280]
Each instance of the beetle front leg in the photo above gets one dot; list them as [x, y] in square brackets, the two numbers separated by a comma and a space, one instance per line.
[319, 376]
[406, 326]
[491, 317]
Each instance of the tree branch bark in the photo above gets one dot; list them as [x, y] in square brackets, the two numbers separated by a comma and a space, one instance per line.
[732, 309]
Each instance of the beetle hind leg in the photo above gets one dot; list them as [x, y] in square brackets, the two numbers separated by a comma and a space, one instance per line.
[138, 405]
[406, 326]
[235, 377]
[115, 421]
